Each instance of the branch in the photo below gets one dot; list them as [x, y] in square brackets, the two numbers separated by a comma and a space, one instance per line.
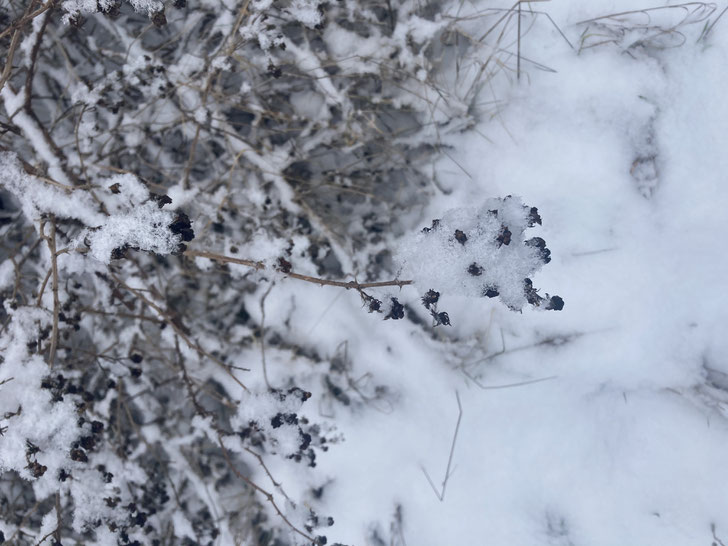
[307, 278]
[441, 494]
[268, 496]
[26, 18]
[170, 320]
[51, 241]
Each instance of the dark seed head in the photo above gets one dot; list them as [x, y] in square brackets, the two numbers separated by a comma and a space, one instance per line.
[490, 292]
[555, 303]
[533, 217]
[475, 270]
[159, 19]
[161, 199]
[504, 237]
[79, 455]
[182, 226]
[430, 298]
[283, 265]
[433, 227]
[540, 244]
[397, 310]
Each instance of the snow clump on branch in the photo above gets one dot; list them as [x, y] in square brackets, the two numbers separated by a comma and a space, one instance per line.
[481, 252]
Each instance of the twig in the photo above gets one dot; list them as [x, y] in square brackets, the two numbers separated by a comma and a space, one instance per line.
[33, 59]
[507, 385]
[441, 494]
[307, 278]
[715, 537]
[24, 19]
[275, 483]
[51, 241]
[9, 60]
[707, 30]
[518, 59]
[268, 496]
[170, 320]
[262, 334]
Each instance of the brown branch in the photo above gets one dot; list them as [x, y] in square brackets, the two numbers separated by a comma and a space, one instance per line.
[262, 334]
[9, 61]
[27, 17]
[33, 59]
[51, 241]
[307, 278]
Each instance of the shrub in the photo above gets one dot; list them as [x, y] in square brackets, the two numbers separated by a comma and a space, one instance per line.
[146, 151]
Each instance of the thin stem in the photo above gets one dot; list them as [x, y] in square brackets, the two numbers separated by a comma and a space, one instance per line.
[448, 472]
[307, 278]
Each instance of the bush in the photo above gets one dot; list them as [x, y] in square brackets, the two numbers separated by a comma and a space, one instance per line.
[147, 152]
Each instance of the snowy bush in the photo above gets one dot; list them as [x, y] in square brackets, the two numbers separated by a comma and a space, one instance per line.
[162, 166]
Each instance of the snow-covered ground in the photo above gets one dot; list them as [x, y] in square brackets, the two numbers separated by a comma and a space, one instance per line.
[624, 441]
[602, 424]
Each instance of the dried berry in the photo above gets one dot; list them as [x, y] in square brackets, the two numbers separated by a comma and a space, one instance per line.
[397, 310]
[159, 19]
[435, 225]
[182, 226]
[490, 292]
[79, 455]
[533, 217]
[30, 448]
[531, 293]
[475, 270]
[88, 442]
[119, 253]
[161, 199]
[430, 298]
[555, 303]
[540, 244]
[504, 237]
[274, 70]
[283, 265]
[36, 469]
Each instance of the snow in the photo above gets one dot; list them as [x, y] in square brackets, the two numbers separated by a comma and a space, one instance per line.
[306, 12]
[602, 424]
[624, 441]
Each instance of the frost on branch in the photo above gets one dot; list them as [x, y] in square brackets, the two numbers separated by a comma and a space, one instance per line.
[481, 252]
